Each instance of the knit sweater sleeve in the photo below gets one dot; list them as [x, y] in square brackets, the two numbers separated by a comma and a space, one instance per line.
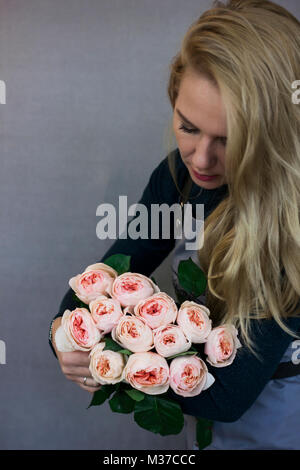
[238, 385]
[146, 254]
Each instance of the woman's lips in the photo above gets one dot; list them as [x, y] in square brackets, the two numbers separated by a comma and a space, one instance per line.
[204, 177]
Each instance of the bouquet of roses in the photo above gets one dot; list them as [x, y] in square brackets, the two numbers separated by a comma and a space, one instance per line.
[142, 343]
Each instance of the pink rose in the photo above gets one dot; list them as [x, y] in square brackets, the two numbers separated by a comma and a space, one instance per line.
[129, 288]
[133, 333]
[157, 310]
[221, 345]
[194, 321]
[62, 342]
[170, 340]
[77, 331]
[189, 376]
[106, 313]
[147, 372]
[97, 279]
[106, 366]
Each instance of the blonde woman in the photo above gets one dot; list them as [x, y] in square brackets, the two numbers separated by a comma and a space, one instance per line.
[237, 131]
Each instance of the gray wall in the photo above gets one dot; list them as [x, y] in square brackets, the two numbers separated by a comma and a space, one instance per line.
[84, 121]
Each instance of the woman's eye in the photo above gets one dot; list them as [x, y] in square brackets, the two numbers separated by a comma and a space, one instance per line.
[187, 130]
[222, 140]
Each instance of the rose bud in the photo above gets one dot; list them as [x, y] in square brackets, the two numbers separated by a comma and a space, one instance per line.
[157, 310]
[62, 342]
[106, 313]
[106, 366]
[133, 333]
[129, 288]
[221, 345]
[147, 372]
[170, 340]
[77, 331]
[97, 279]
[193, 320]
[189, 376]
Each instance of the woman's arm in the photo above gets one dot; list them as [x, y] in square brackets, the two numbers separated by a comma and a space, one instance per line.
[238, 385]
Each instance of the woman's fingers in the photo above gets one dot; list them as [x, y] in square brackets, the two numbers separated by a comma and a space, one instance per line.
[85, 382]
[90, 389]
[89, 384]
[75, 363]
[76, 358]
[75, 366]
[78, 371]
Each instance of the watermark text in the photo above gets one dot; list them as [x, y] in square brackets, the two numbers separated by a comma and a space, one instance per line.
[296, 354]
[2, 352]
[2, 92]
[296, 94]
[160, 221]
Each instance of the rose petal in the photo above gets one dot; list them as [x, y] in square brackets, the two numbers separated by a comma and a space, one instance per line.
[61, 340]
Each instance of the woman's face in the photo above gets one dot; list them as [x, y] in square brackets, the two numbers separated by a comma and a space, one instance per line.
[199, 124]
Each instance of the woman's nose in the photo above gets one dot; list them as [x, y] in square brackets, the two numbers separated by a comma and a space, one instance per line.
[204, 157]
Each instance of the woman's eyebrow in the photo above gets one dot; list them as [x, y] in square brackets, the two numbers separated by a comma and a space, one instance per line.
[185, 119]
[192, 125]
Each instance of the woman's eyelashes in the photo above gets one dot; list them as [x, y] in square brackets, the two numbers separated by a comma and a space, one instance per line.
[188, 130]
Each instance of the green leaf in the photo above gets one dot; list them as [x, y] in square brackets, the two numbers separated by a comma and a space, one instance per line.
[125, 351]
[136, 395]
[152, 278]
[119, 262]
[191, 277]
[187, 353]
[111, 345]
[180, 298]
[159, 415]
[101, 395]
[121, 402]
[79, 302]
[203, 432]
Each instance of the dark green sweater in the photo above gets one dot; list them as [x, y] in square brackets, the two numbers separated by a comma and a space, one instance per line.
[237, 386]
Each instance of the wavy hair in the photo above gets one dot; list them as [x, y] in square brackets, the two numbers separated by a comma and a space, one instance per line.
[250, 49]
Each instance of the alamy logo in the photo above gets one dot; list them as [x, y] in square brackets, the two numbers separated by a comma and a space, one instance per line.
[2, 101]
[296, 94]
[163, 224]
[296, 354]
[2, 92]
[2, 352]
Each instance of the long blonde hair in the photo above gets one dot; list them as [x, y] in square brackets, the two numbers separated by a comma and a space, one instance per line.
[250, 49]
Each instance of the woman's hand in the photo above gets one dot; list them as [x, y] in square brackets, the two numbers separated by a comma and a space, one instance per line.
[75, 364]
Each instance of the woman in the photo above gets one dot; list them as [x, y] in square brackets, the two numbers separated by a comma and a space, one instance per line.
[237, 131]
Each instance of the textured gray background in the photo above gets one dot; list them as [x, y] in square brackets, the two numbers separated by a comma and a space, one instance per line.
[84, 122]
